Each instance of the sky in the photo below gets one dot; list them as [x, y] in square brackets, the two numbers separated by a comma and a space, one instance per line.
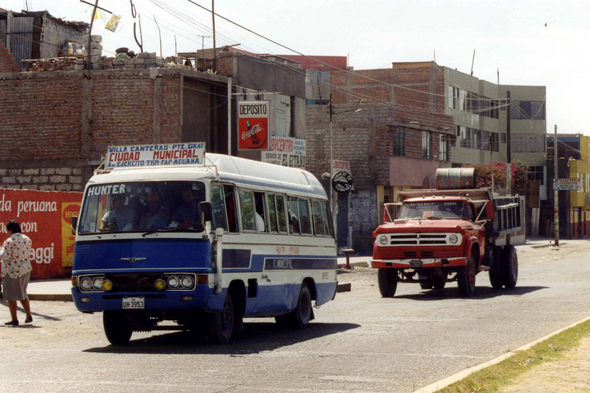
[530, 42]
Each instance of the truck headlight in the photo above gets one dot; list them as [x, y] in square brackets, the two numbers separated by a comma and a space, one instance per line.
[453, 239]
[383, 240]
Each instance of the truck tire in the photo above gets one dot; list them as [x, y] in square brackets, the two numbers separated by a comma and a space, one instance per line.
[509, 267]
[387, 282]
[496, 269]
[425, 282]
[117, 327]
[466, 278]
[439, 281]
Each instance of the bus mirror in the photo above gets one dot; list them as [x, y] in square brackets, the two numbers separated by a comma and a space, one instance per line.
[74, 221]
[205, 210]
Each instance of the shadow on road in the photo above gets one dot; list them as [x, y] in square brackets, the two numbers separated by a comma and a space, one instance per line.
[256, 337]
[35, 314]
[480, 293]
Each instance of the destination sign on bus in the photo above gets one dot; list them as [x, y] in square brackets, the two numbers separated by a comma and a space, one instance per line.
[156, 155]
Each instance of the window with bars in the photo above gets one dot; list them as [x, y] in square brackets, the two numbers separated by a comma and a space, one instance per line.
[426, 150]
[443, 152]
[398, 142]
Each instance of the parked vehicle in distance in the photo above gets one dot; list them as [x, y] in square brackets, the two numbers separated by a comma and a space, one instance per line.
[204, 246]
[449, 234]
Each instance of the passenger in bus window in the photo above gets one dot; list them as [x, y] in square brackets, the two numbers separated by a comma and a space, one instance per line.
[189, 210]
[120, 218]
[156, 216]
[259, 212]
[230, 203]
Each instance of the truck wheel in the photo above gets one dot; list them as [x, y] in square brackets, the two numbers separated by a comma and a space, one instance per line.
[439, 281]
[466, 278]
[221, 324]
[300, 317]
[117, 327]
[387, 282]
[496, 269]
[509, 267]
[425, 282]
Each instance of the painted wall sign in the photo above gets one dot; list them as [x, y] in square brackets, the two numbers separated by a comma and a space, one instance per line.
[568, 184]
[45, 217]
[253, 131]
[286, 151]
[156, 155]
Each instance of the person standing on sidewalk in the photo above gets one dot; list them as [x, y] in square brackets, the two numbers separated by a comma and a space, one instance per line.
[15, 256]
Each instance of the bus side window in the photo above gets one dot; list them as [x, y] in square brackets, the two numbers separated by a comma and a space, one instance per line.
[260, 213]
[218, 207]
[272, 213]
[232, 211]
[247, 209]
[327, 217]
[282, 218]
[293, 216]
[318, 220]
[304, 220]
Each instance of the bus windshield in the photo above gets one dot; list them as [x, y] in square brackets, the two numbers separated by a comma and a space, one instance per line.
[142, 207]
[434, 210]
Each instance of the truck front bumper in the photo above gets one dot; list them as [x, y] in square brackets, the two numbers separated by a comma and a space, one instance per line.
[414, 263]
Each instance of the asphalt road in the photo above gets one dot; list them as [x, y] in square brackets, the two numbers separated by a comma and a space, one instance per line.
[358, 343]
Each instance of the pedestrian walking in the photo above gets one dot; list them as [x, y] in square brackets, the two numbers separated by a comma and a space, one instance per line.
[15, 256]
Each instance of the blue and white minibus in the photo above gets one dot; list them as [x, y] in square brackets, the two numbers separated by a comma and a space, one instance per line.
[203, 245]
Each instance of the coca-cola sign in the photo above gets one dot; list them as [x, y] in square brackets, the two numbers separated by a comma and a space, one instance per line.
[253, 125]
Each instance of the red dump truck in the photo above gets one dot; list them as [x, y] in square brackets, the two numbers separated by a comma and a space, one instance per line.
[449, 234]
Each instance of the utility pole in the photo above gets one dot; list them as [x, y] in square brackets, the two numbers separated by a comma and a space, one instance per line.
[508, 149]
[203, 41]
[229, 97]
[89, 48]
[332, 206]
[555, 191]
[492, 163]
[214, 49]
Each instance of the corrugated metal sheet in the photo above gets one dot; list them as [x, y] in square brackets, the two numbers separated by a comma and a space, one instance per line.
[21, 44]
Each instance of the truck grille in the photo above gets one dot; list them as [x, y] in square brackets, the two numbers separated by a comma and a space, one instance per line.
[420, 239]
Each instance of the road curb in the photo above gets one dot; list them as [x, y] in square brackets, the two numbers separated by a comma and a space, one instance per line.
[443, 383]
[51, 297]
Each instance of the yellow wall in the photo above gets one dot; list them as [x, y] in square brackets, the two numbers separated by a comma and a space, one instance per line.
[578, 167]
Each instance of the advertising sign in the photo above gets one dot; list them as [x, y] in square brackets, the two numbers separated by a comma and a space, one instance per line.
[45, 217]
[156, 155]
[286, 151]
[568, 184]
[341, 176]
[253, 125]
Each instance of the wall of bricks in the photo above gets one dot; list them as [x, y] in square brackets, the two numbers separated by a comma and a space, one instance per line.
[44, 179]
[7, 61]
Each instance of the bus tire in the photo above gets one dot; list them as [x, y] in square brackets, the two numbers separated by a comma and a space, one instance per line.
[496, 269]
[466, 278]
[300, 317]
[221, 324]
[387, 282]
[117, 327]
[509, 267]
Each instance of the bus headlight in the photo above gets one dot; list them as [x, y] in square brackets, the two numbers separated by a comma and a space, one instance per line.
[453, 239]
[97, 283]
[187, 282]
[173, 282]
[383, 240]
[86, 284]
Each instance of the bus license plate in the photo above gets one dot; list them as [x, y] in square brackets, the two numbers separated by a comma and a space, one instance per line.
[416, 263]
[133, 303]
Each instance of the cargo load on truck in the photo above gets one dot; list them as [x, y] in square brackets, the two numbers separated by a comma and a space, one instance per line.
[447, 234]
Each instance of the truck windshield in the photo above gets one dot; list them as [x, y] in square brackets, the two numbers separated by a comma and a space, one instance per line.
[433, 210]
[142, 207]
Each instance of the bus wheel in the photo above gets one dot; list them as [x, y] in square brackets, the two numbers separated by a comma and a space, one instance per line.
[222, 323]
[466, 278]
[117, 327]
[300, 317]
[387, 282]
[509, 267]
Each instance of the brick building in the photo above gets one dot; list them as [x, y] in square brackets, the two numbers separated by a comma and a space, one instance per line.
[56, 125]
[390, 124]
